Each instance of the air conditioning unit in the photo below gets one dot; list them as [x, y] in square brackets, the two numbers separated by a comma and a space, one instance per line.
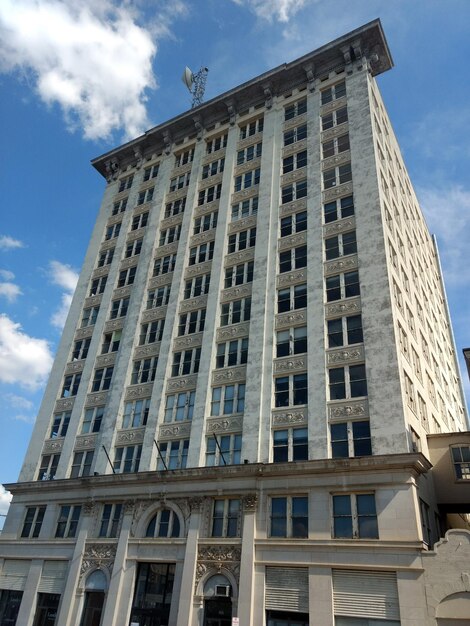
[223, 590]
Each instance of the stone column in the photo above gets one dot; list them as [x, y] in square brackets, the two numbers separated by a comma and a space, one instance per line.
[320, 593]
[190, 559]
[246, 585]
[29, 599]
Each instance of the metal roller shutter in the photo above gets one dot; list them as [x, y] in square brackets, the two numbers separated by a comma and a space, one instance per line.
[366, 594]
[53, 577]
[14, 574]
[287, 589]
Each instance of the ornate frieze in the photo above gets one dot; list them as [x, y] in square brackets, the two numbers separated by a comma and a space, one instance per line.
[110, 243]
[187, 341]
[116, 324]
[154, 314]
[293, 318]
[64, 404]
[295, 121]
[239, 257]
[129, 262]
[176, 195]
[336, 131]
[248, 141]
[211, 181]
[345, 189]
[244, 194]
[193, 303]
[336, 159]
[345, 409]
[238, 225]
[293, 207]
[173, 220]
[89, 508]
[333, 105]
[83, 333]
[75, 366]
[343, 307]
[233, 293]
[250, 502]
[85, 442]
[206, 208]
[135, 234]
[146, 184]
[292, 278]
[130, 435]
[52, 446]
[344, 264]
[213, 156]
[114, 219]
[100, 271]
[294, 416]
[229, 374]
[340, 226]
[291, 177]
[224, 425]
[297, 146]
[232, 332]
[182, 169]
[198, 269]
[92, 301]
[247, 167]
[122, 292]
[139, 391]
[159, 281]
[98, 556]
[106, 360]
[152, 349]
[345, 355]
[207, 235]
[216, 557]
[169, 248]
[290, 364]
[293, 240]
[182, 382]
[96, 399]
[176, 429]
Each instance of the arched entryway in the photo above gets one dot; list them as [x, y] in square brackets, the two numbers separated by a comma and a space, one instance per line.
[95, 591]
[217, 601]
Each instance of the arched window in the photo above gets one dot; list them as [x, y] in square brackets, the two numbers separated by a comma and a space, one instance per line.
[164, 523]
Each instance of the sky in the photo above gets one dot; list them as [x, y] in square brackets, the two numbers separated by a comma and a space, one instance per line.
[79, 78]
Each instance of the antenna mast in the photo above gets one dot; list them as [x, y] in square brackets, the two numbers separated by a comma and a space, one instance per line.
[196, 84]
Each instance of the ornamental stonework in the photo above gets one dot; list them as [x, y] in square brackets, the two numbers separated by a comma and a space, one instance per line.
[160, 281]
[206, 208]
[89, 508]
[227, 424]
[334, 104]
[182, 382]
[341, 265]
[348, 408]
[344, 307]
[146, 184]
[213, 156]
[335, 131]
[293, 207]
[92, 301]
[204, 237]
[75, 366]
[169, 248]
[52, 446]
[105, 360]
[193, 303]
[232, 332]
[173, 220]
[63, 404]
[182, 169]
[215, 558]
[98, 556]
[293, 240]
[229, 374]
[295, 121]
[240, 257]
[96, 399]
[250, 502]
[198, 269]
[233, 293]
[180, 343]
[100, 271]
[122, 292]
[139, 391]
[242, 224]
[346, 355]
[244, 194]
[336, 159]
[293, 318]
[106, 245]
[247, 167]
[291, 177]
[176, 195]
[153, 349]
[130, 435]
[114, 219]
[340, 226]
[297, 146]
[129, 262]
[84, 333]
[248, 141]
[290, 364]
[292, 278]
[116, 324]
[345, 189]
[211, 181]
[178, 430]
[154, 314]
[298, 416]
[85, 442]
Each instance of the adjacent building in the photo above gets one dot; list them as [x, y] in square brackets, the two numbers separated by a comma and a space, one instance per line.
[254, 376]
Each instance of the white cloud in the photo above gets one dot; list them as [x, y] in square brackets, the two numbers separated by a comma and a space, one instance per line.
[66, 277]
[18, 401]
[5, 499]
[10, 291]
[6, 275]
[7, 242]
[23, 359]
[27, 419]
[90, 57]
[283, 10]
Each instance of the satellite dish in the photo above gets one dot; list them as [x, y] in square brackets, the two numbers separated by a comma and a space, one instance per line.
[188, 78]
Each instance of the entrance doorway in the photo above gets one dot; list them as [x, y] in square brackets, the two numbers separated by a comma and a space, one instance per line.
[218, 612]
[94, 601]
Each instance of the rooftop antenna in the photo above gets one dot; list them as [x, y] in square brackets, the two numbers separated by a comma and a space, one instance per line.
[196, 84]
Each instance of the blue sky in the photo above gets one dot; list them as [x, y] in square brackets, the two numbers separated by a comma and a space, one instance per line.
[79, 78]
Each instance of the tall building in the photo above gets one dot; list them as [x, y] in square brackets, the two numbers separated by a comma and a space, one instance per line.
[258, 357]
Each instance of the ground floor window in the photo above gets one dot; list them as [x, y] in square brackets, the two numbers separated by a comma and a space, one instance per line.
[286, 618]
[360, 621]
[153, 594]
[47, 609]
[9, 606]
[218, 612]
[93, 608]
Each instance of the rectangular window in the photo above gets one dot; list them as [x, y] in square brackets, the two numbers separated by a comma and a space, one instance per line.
[143, 371]
[226, 518]
[169, 235]
[60, 424]
[211, 169]
[239, 274]
[127, 277]
[67, 523]
[228, 399]
[184, 157]
[110, 520]
[48, 467]
[355, 516]
[292, 298]
[338, 209]
[342, 286]
[340, 245]
[294, 191]
[119, 308]
[140, 221]
[425, 521]
[201, 253]
[212, 145]
[289, 517]
[133, 248]
[180, 406]
[89, 316]
[247, 180]
[294, 162]
[291, 341]
[175, 454]
[70, 385]
[193, 322]
[105, 257]
[197, 286]
[461, 460]
[97, 286]
[227, 452]
[209, 194]
[333, 93]
[249, 153]
[151, 172]
[290, 444]
[127, 459]
[293, 224]
[158, 297]
[256, 126]
[92, 420]
[295, 109]
[136, 413]
[81, 464]
[186, 362]
[334, 119]
[112, 231]
[347, 382]
[295, 134]
[151, 332]
[350, 439]
[344, 331]
[245, 208]
[337, 176]
[80, 349]
[291, 390]
[175, 208]
[206, 222]
[119, 207]
[335, 146]
[164, 265]
[145, 196]
[102, 379]
[292, 259]
[180, 181]
[111, 342]
[242, 240]
[235, 311]
[33, 522]
[232, 353]
[125, 183]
